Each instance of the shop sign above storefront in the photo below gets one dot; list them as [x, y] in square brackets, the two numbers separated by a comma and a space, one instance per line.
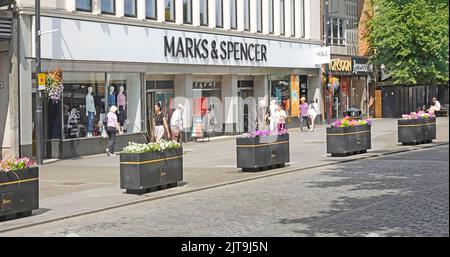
[137, 44]
[203, 48]
[322, 55]
[360, 66]
[341, 65]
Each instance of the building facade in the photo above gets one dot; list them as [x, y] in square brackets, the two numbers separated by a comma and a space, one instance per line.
[349, 69]
[204, 54]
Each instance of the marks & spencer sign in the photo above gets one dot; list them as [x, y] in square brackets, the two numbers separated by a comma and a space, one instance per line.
[224, 50]
[138, 44]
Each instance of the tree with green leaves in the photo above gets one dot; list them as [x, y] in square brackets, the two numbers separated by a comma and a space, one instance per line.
[410, 38]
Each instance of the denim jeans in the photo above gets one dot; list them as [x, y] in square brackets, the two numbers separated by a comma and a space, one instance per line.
[111, 138]
[90, 122]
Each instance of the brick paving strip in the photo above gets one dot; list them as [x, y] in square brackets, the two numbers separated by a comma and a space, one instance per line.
[201, 161]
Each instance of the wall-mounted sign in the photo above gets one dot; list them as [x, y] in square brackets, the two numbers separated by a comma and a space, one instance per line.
[341, 65]
[138, 44]
[203, 48]
[322, 55]
[41, 81]
[360, 66]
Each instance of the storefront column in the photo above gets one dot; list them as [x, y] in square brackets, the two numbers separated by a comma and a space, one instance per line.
[141, 9]
[261, 88]
[230, 103]
[183, 89]
[26, 101]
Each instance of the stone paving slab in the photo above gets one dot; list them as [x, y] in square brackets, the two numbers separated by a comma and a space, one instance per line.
[87, 184]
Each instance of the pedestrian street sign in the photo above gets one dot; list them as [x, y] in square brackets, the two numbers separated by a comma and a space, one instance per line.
[41, 81]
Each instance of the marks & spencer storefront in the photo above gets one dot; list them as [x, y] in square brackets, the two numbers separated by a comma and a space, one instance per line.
[135, 67]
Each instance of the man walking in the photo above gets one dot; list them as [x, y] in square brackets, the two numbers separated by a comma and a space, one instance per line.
[176, 123]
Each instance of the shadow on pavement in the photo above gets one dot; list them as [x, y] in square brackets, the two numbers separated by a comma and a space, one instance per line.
[401, 195]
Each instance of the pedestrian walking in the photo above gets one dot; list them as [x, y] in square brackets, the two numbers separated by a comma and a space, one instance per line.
[303, 115]
[176, 123]
[160, 127]
[112, 127]
[273, 109]
[312, 113]
[280, 117]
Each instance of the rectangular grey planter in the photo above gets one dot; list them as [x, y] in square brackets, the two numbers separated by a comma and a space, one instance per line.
[349, 140]
[19, 193]
[416, 131]
[260, 153]
[141, 172]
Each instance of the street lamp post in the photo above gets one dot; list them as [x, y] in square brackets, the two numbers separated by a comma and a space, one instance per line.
[39, 128]
[326, 65]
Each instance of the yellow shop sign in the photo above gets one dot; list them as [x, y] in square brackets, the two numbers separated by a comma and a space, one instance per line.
[341, 65]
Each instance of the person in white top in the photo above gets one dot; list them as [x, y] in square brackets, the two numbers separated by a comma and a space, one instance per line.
[435, 107]
[280, 118]
[312, 113]
[176, 123]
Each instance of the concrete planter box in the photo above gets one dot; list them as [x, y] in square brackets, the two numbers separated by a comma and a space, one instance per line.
[261, 153]
[349, 140]
[142, 172]
[417, 131]
[19, 193]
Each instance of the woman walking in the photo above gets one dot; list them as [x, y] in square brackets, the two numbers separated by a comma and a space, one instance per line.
[303, 115]
[160, 128]
[112, 127]
[312, 112]
[280, 117]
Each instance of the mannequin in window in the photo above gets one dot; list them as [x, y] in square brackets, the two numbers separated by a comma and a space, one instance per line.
[90, 112]
[111, 97]
[121, 103]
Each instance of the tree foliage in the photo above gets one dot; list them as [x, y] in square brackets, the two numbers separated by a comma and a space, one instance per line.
[410, 37]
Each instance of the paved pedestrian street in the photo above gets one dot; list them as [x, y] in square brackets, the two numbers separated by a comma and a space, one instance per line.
[403, 194]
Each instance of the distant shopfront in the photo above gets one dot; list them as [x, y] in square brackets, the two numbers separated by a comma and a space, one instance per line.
[348, 87]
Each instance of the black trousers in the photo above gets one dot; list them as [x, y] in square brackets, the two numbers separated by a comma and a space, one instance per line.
[306, 120]
[111, 131]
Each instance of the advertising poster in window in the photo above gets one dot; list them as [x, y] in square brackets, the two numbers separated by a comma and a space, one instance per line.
[295, 93]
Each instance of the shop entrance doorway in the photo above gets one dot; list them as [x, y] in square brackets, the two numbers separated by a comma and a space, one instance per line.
[161, 92]
[245, 89]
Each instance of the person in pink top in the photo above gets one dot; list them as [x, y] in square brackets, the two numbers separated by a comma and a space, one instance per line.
[111, 128]
[303, 115]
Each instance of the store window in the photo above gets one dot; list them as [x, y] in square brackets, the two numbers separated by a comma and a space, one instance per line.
[281, 91]
[271, 18]
[187, 11]
[233, 14]
[130, 8]
[247, 15]
[169, 10]
[108, 7]
[150, 9]
[204, 12]
[293, 18]
[336, 32]
[282, 17]
[87, 98]
[259, 15]
[219, 13]
[206, 109]
[83, 5]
